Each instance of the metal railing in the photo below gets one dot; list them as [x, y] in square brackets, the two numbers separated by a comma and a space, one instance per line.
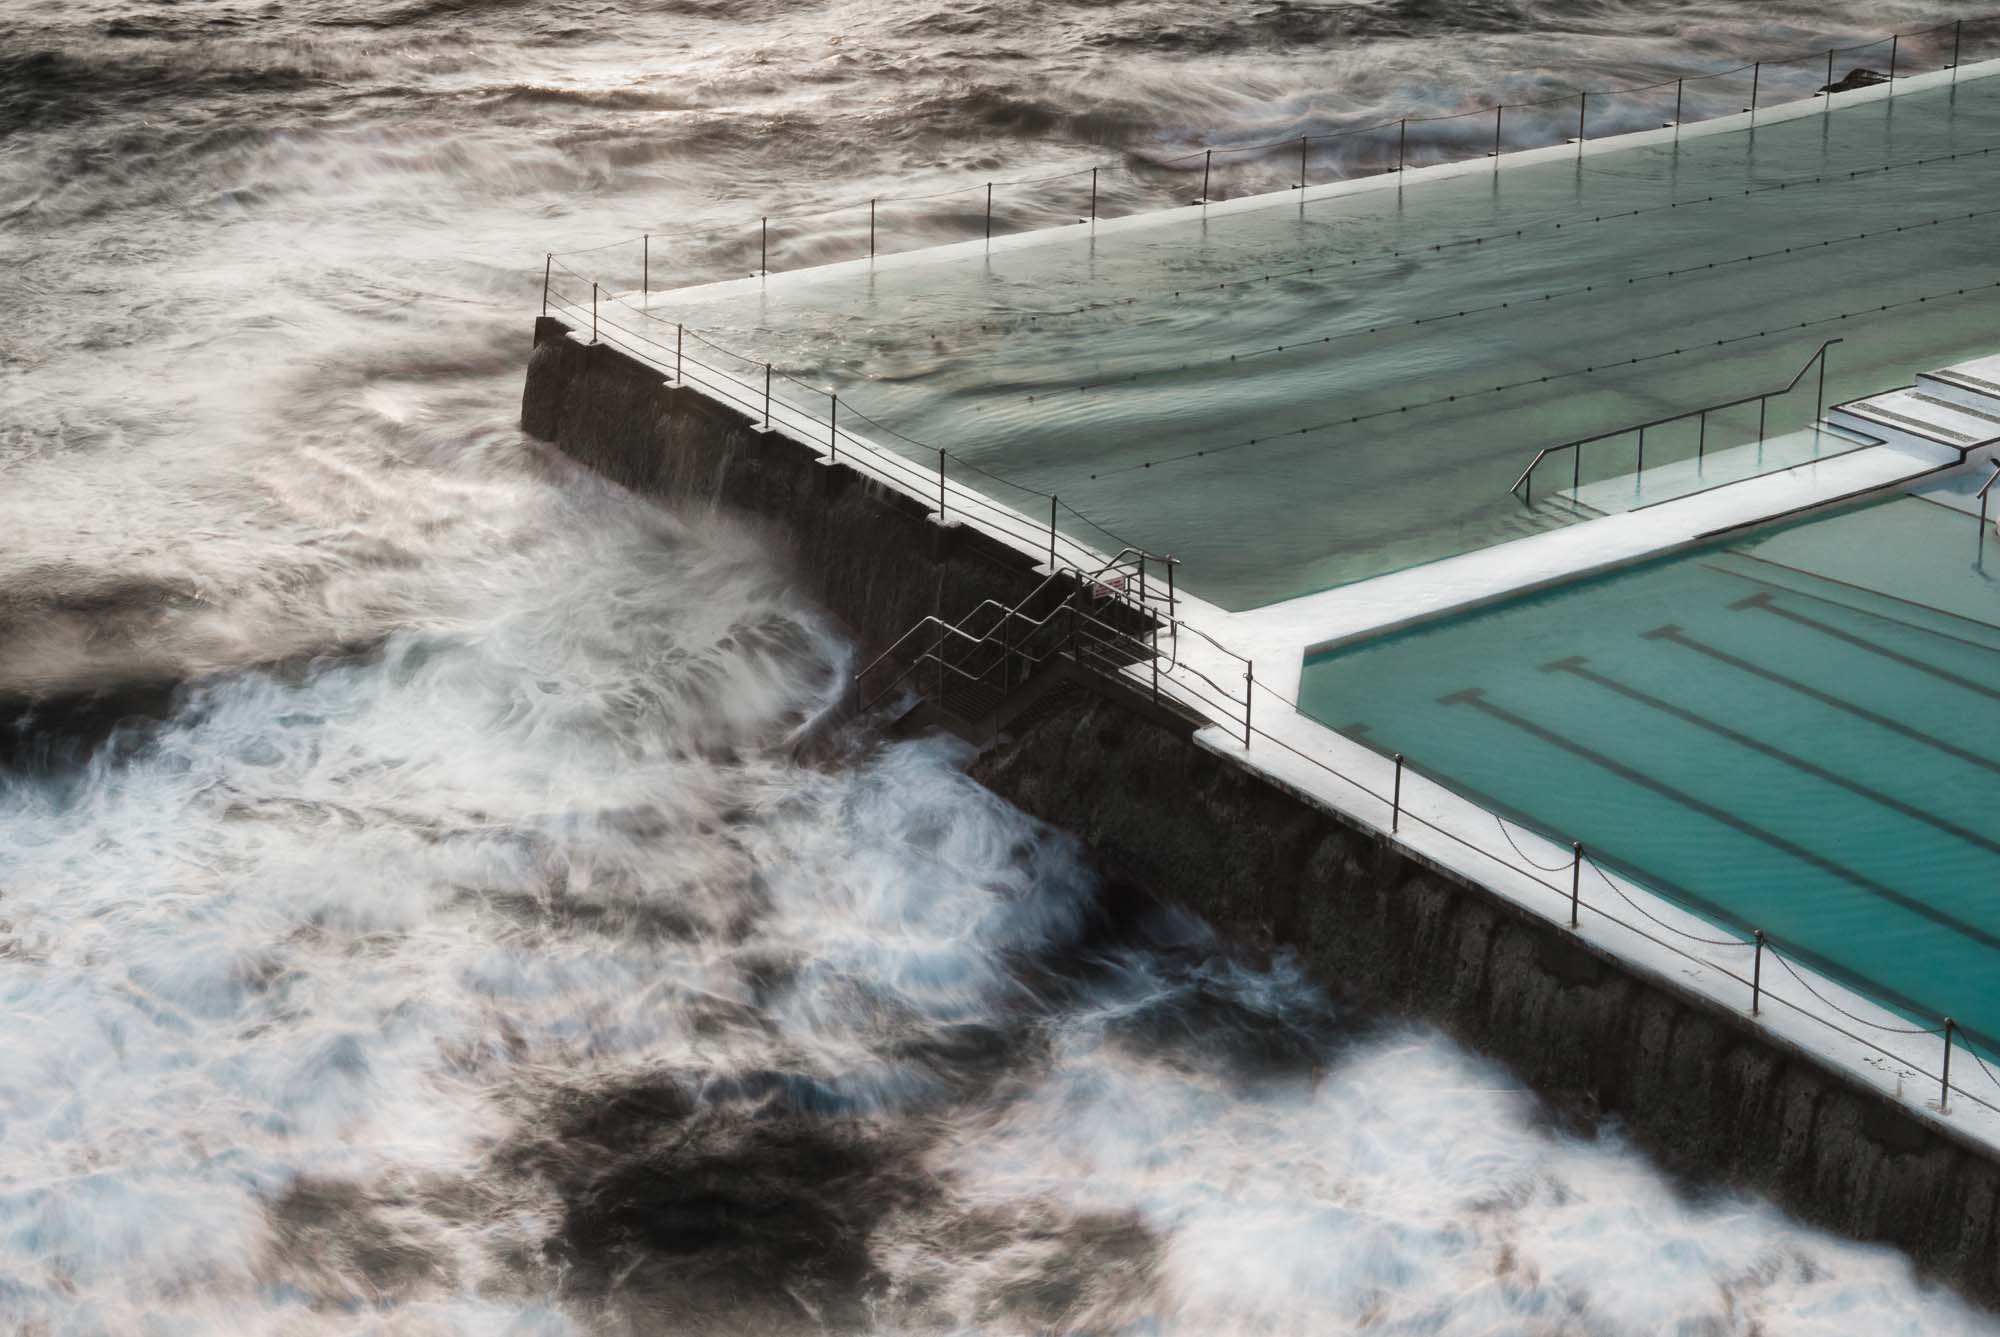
[820, 420]
[1109, 629]
[1568, 886]
[1107, 620]
[1087, 194]
[1984, 488]
[1524, 486]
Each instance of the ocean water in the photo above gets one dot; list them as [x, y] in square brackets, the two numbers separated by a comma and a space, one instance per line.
[434, 896]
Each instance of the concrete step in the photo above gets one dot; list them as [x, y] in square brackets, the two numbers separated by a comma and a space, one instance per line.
[1966, 395]
[1916, 424]
[1973, 385]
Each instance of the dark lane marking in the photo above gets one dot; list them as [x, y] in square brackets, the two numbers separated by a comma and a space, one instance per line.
[1822, 578]
[1477, 699]
[1769, 605]
[1679, 637]
[1779, 587]
[1575, 666]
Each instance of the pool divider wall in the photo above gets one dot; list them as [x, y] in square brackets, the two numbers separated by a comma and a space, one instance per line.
[1707, 1092]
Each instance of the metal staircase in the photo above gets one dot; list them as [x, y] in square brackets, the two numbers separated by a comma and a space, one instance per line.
[1111, 630]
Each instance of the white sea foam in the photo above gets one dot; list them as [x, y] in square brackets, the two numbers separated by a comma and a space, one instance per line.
[524, 815]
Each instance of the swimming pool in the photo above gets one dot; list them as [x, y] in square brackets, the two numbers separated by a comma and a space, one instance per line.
[1187, 385]
[1797, 731]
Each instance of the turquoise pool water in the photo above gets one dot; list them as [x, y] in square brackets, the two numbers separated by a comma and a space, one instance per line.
[1798, 731]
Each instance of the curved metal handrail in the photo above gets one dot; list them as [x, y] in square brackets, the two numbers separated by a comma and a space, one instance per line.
[1818, 356]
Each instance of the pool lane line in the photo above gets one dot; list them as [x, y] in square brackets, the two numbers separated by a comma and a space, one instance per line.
[1769, 605]
[1525, 301]
[1780, 587]
[1476, 698]
[1676, 636]
[1333, 265]
[1575, 665]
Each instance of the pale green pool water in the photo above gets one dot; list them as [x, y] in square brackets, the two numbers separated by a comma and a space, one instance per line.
[1798, 732]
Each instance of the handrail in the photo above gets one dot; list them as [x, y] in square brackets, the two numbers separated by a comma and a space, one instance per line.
[1054, 576]
[1013, 632]
[1818, 356]
[939, 630]
[1984, 488]
[1113, 651]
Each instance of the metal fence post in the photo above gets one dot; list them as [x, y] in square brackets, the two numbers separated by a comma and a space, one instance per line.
[1249, 688]
[1642, 452]
[1093, 195]
[1944, 1087]
[833, 426]
[1496, 135]
[1396, 796]
[1403, 144]
[678, 329]
[645, 266]
[1819, 400]
[1007, 650]
[764, 248]
[767, 394]
[548, 262]
[871, 229]
[1761, 401]
[1302, 162]
[593, 312]
[1958, 25]
[1575, 467]
[1829, 81]
[1207, 160]
[1701, 436]
[1575, 880]
[1172, 562]
[1582, 102]
[1052, 531]
[940, 483]
[989, 211]
[1895, 39]
[1679, 88]
[1756, 76]
[1757, 974]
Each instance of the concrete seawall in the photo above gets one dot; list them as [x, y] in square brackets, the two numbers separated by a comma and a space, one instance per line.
[875, 557]
[1706, 1092]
